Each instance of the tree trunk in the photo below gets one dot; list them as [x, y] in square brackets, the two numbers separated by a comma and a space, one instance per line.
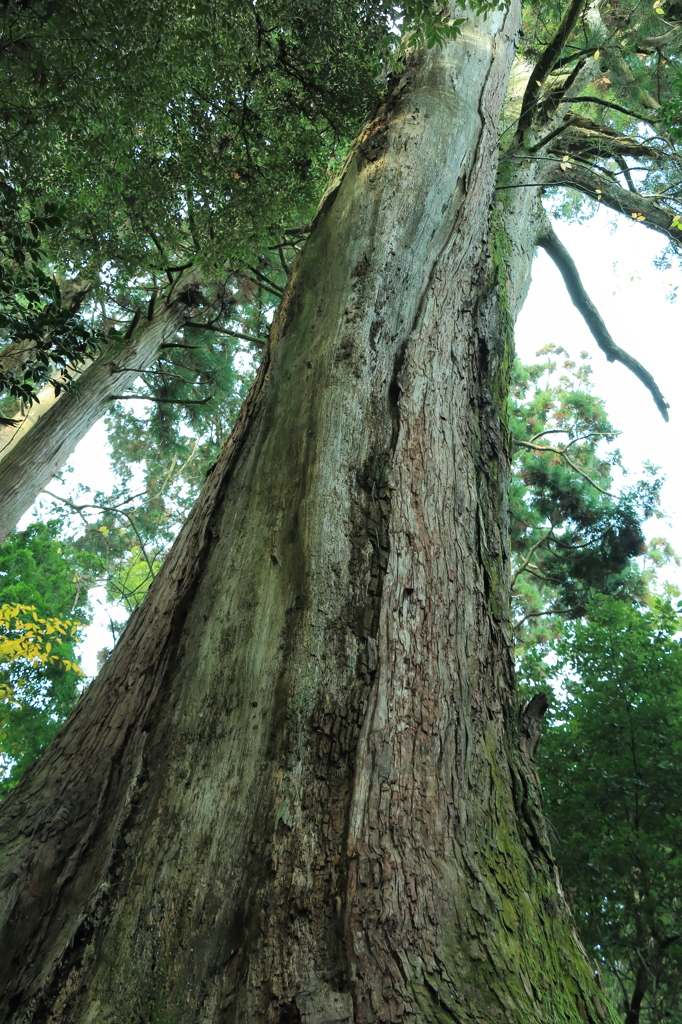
[32, 453]
[296, 792]
[638, 993]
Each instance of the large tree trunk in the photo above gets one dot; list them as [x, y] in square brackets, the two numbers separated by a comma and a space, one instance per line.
[296, 791]
[34, 452]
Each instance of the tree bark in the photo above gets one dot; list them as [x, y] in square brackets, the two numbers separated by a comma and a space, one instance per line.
[32, 453]
[296, 792]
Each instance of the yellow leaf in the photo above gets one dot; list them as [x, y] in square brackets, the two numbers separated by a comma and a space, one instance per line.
[596, 54]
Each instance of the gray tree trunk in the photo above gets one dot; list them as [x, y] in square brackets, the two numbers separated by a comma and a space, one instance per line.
[296, 792]
[32, 453]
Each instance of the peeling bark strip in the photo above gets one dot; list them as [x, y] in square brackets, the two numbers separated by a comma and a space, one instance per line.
[33, 453]
[296, 792]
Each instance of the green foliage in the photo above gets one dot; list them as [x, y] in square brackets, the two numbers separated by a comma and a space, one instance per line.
[39, 570]
[611, 767]
[571, 533]
[41, 335]
[171, 131]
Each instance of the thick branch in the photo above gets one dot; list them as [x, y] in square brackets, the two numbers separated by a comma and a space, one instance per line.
[647, 211]
[546, 63]
[581, 300]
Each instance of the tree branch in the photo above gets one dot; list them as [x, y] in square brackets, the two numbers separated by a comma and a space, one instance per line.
[546, 63]
[612, 106]
[562, 453]
[162, 401]
[526, 561]
[260, 342]
[581, 300]
[633, 204]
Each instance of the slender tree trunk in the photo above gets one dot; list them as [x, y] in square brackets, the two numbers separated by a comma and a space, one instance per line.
[296, 792]
[32, 453]
[638, 993]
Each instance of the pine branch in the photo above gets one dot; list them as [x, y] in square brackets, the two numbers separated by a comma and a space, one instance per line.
[526, 561]
[581, 300]
[562, 453]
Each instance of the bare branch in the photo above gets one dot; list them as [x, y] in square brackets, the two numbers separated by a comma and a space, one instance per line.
[581, 300]
[612, 106]
[260, 342]
[162, 401]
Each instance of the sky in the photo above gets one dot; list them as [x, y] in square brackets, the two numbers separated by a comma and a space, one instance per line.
[615, 258]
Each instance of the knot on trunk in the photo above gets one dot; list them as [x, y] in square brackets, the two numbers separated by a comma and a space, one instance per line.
[531, 716]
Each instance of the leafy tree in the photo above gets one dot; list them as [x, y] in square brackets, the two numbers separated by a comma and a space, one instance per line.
[611, 767]
[42, 335]
[44, 583]
[575, 528]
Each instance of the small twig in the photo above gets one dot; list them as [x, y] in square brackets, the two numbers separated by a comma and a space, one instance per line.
[270, 285]
[532, 551]
[232, 334]
[562, 453]
[547, 611]
[108, 508]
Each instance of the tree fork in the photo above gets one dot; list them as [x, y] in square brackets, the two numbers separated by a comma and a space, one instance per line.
[296, 791]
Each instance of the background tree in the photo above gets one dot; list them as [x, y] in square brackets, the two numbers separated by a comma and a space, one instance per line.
[44, 582]
[577, 524]
[204, 143]
[611, 767]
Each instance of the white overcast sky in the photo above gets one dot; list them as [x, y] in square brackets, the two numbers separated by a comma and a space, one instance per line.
[615, 260]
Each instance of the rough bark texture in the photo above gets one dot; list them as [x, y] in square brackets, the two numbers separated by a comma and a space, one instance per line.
[296, 792]
[32, 453]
